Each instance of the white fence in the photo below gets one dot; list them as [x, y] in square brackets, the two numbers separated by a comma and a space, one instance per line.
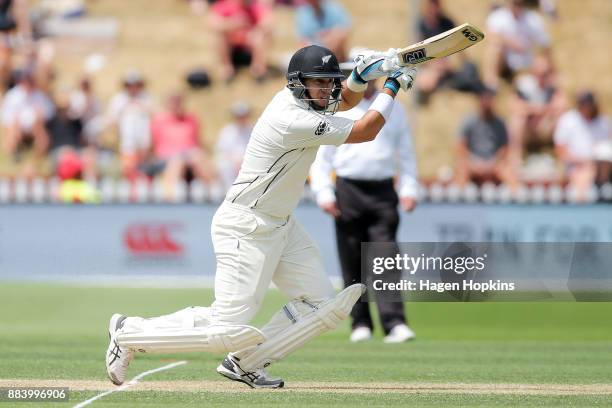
[144, 191]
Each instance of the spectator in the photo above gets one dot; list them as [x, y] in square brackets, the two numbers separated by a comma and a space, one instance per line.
[232, 143]
[439, 72]
[535, 108]
[582, 140]
[547, 7]
[14, 19]
[87, 109]
[483, 146]
[244, 33]
[130, 111]
[25, 109]
[326, 23]
[73, 189]
[514, 33]
[66, 137]
[433, 20]
[176, 145]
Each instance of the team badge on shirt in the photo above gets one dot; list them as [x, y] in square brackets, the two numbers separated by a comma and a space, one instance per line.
[322, 128]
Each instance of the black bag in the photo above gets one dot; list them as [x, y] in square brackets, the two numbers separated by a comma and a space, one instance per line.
[198, 79]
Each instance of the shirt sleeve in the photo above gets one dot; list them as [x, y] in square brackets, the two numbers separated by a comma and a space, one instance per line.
[538, 31]
[195, 131]
[563, 130]
[338, 15]
[305, 24]
[495, 22]
[313, 129]
[465, 128]
[8, 108]
[156, 124]
[224, 142]
[321, 175]
[114, 110]
[407, 161]
[47, 105]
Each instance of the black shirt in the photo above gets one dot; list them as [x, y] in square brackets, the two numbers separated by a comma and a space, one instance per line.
[426, 31]
[65, 132]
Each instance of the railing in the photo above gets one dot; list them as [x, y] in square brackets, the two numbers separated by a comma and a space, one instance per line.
[39, 190]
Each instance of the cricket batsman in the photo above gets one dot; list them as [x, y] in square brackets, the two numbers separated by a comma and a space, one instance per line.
[257, 239]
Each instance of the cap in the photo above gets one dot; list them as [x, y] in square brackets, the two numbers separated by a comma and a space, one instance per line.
[132, 77]
[69, 166]
[586, 97]
[240, 109]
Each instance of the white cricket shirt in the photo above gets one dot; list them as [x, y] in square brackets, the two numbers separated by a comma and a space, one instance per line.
[282, 147]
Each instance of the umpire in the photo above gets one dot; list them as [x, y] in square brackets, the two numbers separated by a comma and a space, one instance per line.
[364, 205]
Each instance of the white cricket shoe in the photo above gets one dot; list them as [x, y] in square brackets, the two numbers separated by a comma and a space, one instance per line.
[229, 368]
[399, 334]
[117, 358]
[361, 333]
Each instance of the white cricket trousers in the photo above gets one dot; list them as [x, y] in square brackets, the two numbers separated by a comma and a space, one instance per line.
[252, 250]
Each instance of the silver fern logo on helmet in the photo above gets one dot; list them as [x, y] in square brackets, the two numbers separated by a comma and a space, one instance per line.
[325, 59]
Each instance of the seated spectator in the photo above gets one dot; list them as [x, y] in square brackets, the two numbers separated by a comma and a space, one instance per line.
[483, 145]
[534, 110]
[14, 19]
[25, 109]
[244, 33]
[73, 189]
[326, 23]
[513, 34]
[86, 107]
[130, 111]
[232, 143]
[66, 136]
[176, 145]
[439, 72]
[433, 20]
[582, 143]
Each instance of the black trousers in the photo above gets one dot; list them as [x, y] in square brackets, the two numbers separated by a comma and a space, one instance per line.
[368, 214]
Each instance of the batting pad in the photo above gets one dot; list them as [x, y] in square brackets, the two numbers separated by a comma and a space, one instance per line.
[213, 339]
[323, 317]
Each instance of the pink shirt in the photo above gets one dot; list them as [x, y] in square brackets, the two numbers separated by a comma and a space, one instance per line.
[173, 135]
[252, 13]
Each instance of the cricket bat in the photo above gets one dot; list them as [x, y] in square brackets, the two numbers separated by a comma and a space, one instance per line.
[441, 45]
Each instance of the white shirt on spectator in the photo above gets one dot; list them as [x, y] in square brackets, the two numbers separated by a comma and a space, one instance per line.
[24, 106]
[382, 158]
[231, 145]
[528, 86]
[528, 30]
[580, 137]
[133, 118]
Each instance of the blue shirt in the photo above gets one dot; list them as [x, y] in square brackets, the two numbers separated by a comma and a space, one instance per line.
[309, 24]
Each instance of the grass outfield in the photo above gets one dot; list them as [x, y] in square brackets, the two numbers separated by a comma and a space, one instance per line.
[478, 354]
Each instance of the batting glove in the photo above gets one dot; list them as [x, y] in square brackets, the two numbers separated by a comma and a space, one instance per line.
[372, 65]
[401, 79]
